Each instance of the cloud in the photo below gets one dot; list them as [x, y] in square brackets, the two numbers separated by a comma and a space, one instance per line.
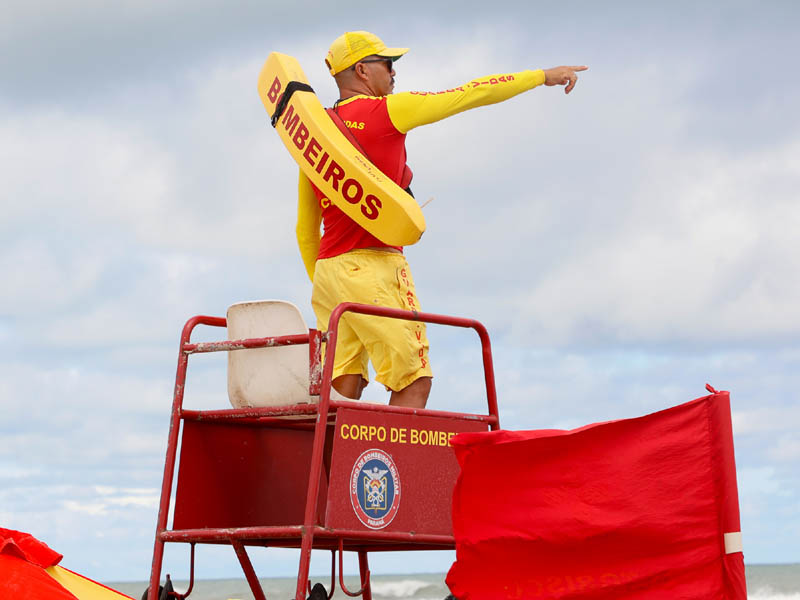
[694, 252]
[107, 498]
[72, 174]
[769, 420]
[92, 509]
[786, 449]
[761, 487]
[11, 472]
[107, 217]
[623, 244]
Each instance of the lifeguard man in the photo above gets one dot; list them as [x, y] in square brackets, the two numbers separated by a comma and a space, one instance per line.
[348, 264]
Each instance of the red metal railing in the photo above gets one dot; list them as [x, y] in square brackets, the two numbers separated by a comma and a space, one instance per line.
[320, 378]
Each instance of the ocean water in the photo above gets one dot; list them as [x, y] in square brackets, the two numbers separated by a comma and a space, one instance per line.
[764, 582]
[773, 582]
[384, 587]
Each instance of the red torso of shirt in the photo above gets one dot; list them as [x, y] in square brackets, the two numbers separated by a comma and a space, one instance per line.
[369, 122]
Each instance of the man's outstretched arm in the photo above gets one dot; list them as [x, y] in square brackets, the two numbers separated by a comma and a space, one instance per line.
[408, 110]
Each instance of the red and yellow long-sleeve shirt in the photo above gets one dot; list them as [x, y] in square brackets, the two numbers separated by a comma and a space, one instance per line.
[380, 125]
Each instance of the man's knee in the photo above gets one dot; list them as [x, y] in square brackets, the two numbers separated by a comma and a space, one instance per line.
[414, 395]
[423, 385]
[350, 386]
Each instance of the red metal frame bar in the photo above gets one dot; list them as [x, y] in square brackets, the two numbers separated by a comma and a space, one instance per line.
[172, 446]
[272, 414]
[295, 531]
[364, 579]
[315, 339]
[325, 401]
[249, 343]
[191, 575]
[363, 570]
[247, 567]
[320, 378]
[250, 413]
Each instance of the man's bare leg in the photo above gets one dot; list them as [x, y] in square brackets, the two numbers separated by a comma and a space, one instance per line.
[414, 395]
[349, 386]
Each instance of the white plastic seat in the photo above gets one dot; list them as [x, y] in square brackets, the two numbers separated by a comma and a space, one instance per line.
[267, 376]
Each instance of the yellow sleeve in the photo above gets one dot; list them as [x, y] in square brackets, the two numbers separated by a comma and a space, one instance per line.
[408, 110]
[309, 218]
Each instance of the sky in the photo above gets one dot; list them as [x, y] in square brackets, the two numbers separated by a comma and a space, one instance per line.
[624, 245]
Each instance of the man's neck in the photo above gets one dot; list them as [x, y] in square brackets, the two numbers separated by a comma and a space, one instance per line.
[348, 91]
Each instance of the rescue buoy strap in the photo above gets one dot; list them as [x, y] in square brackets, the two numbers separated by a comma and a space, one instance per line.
[291, 88]
[334, 115]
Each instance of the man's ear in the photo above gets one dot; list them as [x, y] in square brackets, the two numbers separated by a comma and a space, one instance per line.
[361, 71]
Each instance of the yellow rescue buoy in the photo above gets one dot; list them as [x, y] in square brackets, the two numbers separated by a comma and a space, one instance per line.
[342, 173]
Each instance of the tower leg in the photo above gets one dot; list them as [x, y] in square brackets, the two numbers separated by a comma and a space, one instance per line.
[363, 570]
[249, 572]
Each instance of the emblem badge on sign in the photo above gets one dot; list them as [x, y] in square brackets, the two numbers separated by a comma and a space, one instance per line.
[375, 489]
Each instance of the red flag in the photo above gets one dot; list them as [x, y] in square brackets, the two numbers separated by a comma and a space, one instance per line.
[29, 571]
[23, 560]
[631, 509]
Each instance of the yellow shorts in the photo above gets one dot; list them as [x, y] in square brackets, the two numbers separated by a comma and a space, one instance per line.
[398, 348]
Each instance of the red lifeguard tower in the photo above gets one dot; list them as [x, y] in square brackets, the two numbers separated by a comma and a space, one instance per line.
[295, 465]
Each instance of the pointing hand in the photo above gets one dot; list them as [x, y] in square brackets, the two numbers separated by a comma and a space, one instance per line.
[563, 76]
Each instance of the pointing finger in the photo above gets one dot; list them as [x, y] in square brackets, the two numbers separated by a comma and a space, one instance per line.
[573, 79]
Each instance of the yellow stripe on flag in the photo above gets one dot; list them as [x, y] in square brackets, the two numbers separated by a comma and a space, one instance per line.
[82, 587]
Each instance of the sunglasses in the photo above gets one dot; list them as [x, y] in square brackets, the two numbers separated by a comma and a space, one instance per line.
[388, 62]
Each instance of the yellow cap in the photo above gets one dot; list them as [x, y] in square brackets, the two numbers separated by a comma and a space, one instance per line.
[351, 47]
